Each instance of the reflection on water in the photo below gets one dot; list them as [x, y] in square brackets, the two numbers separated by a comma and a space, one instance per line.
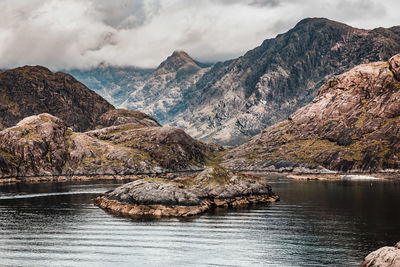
[315, 223]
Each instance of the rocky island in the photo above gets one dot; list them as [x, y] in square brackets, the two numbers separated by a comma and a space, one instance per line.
[187, 196]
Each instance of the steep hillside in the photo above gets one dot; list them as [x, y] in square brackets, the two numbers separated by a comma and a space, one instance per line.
[30, 91]
[239, 98]
[158, 92]
[352, 125]
[162, 95]
[132, 143]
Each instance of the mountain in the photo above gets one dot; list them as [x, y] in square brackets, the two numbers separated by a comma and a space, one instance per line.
[31, 90]
[353, 125]
[237, 99]
[158, 92]
[132, 143]
[233, 100]
[163, 93]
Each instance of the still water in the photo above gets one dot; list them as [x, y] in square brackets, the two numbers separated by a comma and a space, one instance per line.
[316, 223]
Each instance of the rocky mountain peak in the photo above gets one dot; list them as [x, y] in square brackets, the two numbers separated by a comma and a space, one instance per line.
[321, 22]
[177, 61]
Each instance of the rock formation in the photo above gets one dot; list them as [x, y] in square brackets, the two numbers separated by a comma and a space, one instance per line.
[383, 257]
[28, 91]
[234, 100]
[352, 125]
[187, 196]
[132, 143]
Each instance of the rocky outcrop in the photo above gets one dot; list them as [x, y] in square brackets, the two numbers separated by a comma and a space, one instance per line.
[31, 90]
[123, 116]
[187, 196]
[352, 125]
[383, 257]
[43, 145]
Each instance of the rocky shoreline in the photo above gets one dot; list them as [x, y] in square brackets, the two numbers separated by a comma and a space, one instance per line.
[383, 257]
[187, 196]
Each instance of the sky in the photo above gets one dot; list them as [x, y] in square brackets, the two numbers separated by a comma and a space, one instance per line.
[64, 34]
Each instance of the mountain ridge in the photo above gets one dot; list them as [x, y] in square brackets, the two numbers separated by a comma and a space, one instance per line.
[231, 101]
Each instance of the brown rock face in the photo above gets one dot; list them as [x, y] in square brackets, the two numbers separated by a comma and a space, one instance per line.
[352, 125]
[394, 65]
[383, 257]
[123, 116]
[30, 91]
[36, 145]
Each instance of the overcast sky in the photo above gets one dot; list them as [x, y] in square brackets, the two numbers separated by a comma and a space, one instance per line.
[83, 33]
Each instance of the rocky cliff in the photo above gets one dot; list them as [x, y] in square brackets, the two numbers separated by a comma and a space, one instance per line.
[352, 125]
[132, 143]
[236, 99]
[30, 91]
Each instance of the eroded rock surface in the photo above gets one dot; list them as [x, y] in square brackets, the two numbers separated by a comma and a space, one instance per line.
[352, 125]
[186, 196]
[383, 257]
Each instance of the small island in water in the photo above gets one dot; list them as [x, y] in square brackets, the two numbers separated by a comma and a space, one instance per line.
[187, 196]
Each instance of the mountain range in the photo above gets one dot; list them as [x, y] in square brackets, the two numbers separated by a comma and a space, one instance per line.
[231, 101]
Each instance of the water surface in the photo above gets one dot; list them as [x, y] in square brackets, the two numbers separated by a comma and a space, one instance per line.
[316, 223]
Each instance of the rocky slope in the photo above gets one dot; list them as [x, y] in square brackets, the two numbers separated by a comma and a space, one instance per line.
[159, 92]
[132, 143]
[30, 91]
[234, 100]
[187, 196]
[352, 125]
[239, 98]
[383, 257]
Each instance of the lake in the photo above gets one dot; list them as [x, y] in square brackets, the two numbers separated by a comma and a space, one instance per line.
[316, 223]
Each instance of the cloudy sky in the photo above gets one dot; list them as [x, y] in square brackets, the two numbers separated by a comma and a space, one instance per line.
[84, 33]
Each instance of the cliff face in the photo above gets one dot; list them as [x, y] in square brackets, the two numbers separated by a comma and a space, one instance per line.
[352, 125]
[132, 143]
[30, 91]
[234, 100]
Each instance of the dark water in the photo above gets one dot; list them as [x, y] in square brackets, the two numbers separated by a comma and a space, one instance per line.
[316, 223]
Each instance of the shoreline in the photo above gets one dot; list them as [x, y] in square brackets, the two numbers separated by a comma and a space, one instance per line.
[131, 210]
[121, 177]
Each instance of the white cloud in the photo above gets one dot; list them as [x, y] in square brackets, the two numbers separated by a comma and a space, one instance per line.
[83, 33]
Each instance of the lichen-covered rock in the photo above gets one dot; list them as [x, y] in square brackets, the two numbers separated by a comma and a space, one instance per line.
[352, 125]
[186, 196]
[383, 257]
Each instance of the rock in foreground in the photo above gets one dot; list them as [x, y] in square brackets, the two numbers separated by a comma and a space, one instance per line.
[383, 257]
[187, 196]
